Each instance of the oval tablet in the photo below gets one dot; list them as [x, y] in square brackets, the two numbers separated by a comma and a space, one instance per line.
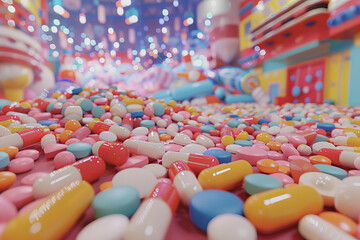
[80, 149]
[142, 179]
[21, 165]
[31, 153]
[6, 180]
[255, 183]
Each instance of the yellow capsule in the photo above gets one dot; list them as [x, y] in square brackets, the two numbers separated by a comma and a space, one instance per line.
[54, 217]
[6, 123]
[225, 176]
[129, 101]
[277, 209]
[356, 131]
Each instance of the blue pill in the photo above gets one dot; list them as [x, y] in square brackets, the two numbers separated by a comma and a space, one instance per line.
[258, 182]
[76, 90]
[321, 138]
[94, 97]
[86, 105]
[243, 143]
[80, 149]
[332, 170]
[137, 114]
[221, 155]
[328, 127]
[98, 111]
[4, 159]
[116, 200]
[47, 122]
[207, 128]
[206, 205]
[233, 123]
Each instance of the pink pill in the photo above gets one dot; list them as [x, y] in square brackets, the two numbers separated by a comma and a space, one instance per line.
[89, 140]
[274, 155]
[251, 154]
[59, 130]
[139, 137]
[7, 209]
[29, 179]
[296, 140]
[95, 137]
[145, 117]
[51, 150]
[32, 205]
[294, 157]
[289, 150]
[354, 173]
[42, 116]
[220, 145]
[105, 116]
[149, 111]
[19, 196]
[261, 146]
[67, 104]
[81, 133]
[185, 114]
[134, 162]
[283, 163]
[63, 159]
[71, 141]
[31, 153]
[101, 101]
[21, 165]
[284, 179]
[58, 116]
[173, 147]
[188, 133]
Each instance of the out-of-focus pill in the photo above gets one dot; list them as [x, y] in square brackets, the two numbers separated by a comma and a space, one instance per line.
[299, 167]
[225, 176]
[325, 184]
[31, 153]
[313, 227]
[116, 200]
[347, 196]
[8, 210]
[341, 158]
[19, 196]
[142, 179]
[51, 150]
[6, 180]
[29, 179]
[55, 180]
[107, 136]
[47, 139]
[320, 145]
[158, 170]
[343, 222]
[152, 150]
[251, 154]
[256, 183]
[221, 155]
[193, 148]
[182, 139]
[205, 141]
[108, 227]
[39, 224]
[204, 206]
[231, 227]
[274, 210]
[21, 165]
[4, 159]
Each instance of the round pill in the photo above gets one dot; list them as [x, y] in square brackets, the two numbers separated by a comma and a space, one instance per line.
[142, 179]
[255, 183]
[159, 109]
[157, 169]
[116, 200]
[108, 227]
[267, 166]
[6, 180]
[80, 149]
[332, 170]
[98, 111]
[107, 136]
[21, 165]
[4, 159]
[231, 227]
[63, 159]
[221, 155]
[207, 204]
[86, 105]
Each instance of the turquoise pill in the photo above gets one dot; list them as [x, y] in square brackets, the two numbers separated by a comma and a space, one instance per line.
[4, 159]
[98, 111]
[207, 128]
[80, 149]
[332, 170]
[147, 123]
[233, 123]
[116, 200]
[243, 143]
[255, 183]
[86, 105]
[159, 109]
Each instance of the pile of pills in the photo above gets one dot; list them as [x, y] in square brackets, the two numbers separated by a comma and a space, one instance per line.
[108, 164]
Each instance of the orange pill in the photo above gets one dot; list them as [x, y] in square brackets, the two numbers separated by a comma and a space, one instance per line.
[165, 137]
[6, 180]
[107, 108]
[343, 222]
[275, 146]
[284, 169]
[318, 159]
[72, 125]
[65, 135]
[267, 166]
[52, 127]
[105, 185]
[11, 150]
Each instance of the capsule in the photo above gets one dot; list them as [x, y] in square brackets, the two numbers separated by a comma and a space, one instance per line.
[197, 162]
[91, 168]
[100, 127]
[313, 227]
[152, 219]
[342, 158]
[184, 181]
[349, 149]
[277, 209]
[52, 219]
[152, 150]
[347, 141]
[55, 180]
[111, 152]
[22, 139]
[225, 176]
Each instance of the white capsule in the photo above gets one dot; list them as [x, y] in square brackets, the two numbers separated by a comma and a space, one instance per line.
[47, 139]
[172, 129]
[140, 131]
[134, 108]
[152, 150]
[107, 136]
[193, 148]
[161, 123]
[304, 150]
[118, 110]
[320, 145]
[121, 132]
[153, 137]
[182, 139]
[205, 141]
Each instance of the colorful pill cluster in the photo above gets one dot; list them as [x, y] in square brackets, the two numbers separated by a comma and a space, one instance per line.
[108, 164]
